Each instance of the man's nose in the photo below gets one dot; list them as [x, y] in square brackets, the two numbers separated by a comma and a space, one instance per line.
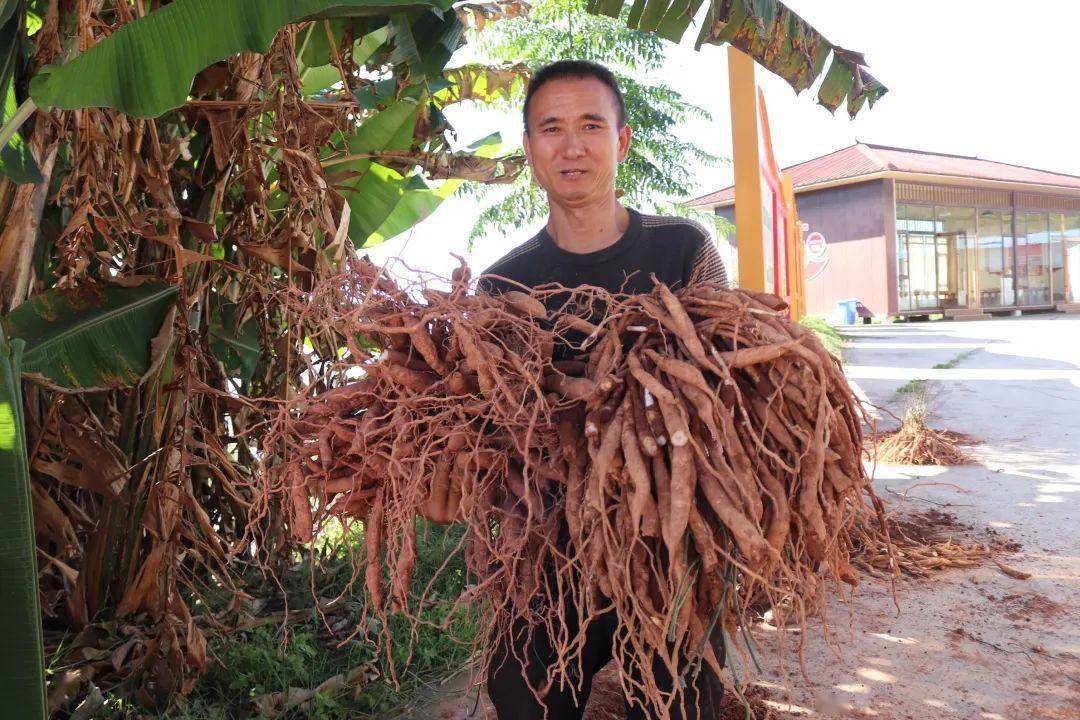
[573, 145]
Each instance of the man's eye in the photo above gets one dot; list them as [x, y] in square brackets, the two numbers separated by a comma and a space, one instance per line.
[592, 125]
[551, 129]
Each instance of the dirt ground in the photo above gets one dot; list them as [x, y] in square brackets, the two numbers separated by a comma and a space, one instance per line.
[966, 644]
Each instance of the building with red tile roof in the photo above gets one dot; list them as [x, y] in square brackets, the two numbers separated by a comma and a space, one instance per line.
[914, 232]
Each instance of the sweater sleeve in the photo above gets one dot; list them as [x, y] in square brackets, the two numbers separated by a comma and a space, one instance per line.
[708, 267]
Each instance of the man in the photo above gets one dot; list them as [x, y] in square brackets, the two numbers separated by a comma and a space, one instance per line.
[575, 137]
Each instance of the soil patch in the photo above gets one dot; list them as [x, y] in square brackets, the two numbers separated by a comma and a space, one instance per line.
[606, 701]
[1030, 606]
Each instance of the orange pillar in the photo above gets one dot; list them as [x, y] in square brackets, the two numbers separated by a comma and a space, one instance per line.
[746, 148]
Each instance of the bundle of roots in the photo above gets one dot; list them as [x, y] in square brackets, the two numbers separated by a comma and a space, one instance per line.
[670, 457]
[914, 443]
[918, 545]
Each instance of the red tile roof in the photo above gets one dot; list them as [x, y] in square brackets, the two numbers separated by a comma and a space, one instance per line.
[865, 159]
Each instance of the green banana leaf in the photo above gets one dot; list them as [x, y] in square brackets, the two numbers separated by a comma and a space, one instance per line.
[484, 83]
[146, 67]
[418, 204]
[372, 190]
[424, 41]
[16, 161]
[321, 77]
[767, 30]
[413, 207]
[236, 344]
[22, 662]
[94, 336]
[7, 9]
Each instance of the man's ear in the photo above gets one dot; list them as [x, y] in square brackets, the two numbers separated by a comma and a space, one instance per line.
[625, 135]
[525, 144]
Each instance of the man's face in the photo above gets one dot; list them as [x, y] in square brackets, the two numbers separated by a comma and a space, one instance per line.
[574, 143]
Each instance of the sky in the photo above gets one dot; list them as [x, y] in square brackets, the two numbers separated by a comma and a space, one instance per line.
[996, 79]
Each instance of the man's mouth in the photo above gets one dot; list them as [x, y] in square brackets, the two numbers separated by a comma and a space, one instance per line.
[571, 173]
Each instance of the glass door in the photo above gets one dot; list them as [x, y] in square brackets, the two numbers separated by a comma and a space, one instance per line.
[916, 258]
[1071, 264]
[1033, 259]
[955, 234]
[994, 259]
[1057, 257]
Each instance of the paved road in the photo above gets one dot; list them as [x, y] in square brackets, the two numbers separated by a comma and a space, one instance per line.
[975, 644]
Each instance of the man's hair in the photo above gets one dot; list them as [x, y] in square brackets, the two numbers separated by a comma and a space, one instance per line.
[574, 69]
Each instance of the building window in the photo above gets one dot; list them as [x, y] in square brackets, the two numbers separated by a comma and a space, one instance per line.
[1071, 265]
[1057, 257]
[950, 257]
[1033, 259]
[995, 259]
[956, 241]
[936, 256]
[916, 257]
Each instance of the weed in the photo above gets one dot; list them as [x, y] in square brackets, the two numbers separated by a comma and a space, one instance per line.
[955, 361]
[829, 336]
[917, 386]
[261, 660]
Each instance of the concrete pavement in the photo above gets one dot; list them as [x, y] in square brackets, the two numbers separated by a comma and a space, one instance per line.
[968, 644]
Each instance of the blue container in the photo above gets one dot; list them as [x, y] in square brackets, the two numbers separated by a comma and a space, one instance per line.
[846, 312]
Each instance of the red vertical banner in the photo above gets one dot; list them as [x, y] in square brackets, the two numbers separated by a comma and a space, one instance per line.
[777, 218]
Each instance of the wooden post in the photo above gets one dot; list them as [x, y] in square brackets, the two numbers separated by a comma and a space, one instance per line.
[974, 285]
[749, 221]
[794, 239]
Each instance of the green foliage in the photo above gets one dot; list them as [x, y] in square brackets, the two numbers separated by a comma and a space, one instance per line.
[263, 660]
[146, 67]
[21, 661]
[234, 339]
[94, 336]
[916, 387]
[318, 71]
[659, 166]
[373, 190]
[424, 42]
[826, 333]
[768, 31]
[950, 364]
[16, 161]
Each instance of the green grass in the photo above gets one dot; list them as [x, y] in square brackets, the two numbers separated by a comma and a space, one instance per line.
[917, 386]
[830, 337]
[249, 663]
[955, 361]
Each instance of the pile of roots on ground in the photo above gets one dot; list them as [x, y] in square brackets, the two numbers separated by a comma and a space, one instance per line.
[917, 444]
[669, 457]
[922, 543]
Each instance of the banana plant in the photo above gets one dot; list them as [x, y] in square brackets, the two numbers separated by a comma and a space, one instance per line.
[146, 67]
[142, 365]
[22, 660]
[16, 160]
[93, 337]
[767, 30]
